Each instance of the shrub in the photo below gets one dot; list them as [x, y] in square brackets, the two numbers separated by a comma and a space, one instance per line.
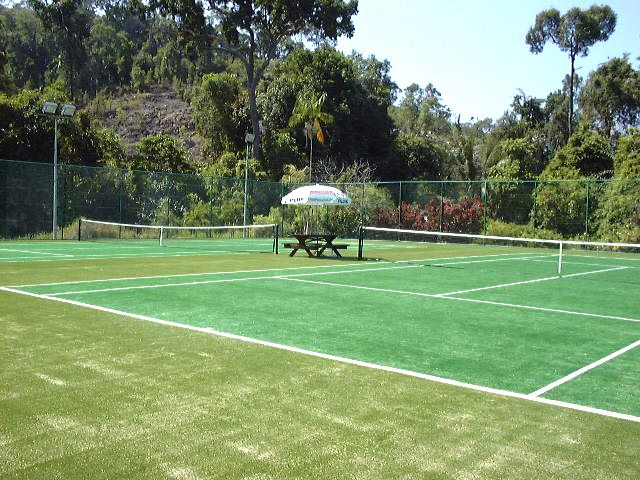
[463, 216]
[504, 229]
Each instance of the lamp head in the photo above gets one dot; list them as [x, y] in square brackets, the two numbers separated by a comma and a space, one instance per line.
[50, 108]
[68, 110]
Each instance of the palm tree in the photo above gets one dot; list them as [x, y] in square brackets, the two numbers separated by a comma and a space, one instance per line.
[308, 111]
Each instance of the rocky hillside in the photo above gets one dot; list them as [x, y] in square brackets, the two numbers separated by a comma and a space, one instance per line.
[137, 115]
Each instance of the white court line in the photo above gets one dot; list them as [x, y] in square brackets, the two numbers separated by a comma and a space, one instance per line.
[151, 277]
[162, 285]
[230, 280]
[424, 376]
[634, 258]
[14, 259]
[333, 265]
[224, 280]
[588, 264]
[192, 253]
[458, 299]
[579, 372]
[171, 244]
[488, 260]
[35, 253]
[556, 277]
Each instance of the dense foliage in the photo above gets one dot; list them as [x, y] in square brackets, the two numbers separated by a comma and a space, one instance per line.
[318, 114]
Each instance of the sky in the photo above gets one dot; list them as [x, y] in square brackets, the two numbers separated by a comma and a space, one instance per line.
[474, 51]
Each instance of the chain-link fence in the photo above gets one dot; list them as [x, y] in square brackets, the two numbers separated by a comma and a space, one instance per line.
[564, 208]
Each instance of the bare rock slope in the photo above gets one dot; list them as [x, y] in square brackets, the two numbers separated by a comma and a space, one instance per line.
[138, 115]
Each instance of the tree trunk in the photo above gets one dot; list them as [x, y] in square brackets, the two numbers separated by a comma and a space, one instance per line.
[252, 83]
[310, 160]
[573, 59]
[255, 118]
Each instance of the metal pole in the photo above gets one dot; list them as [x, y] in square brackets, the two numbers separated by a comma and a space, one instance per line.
[586, 212]
[484, 207]
[55, 178]
[560, 259]
[400, 204]
[246, 176]
[441, 204]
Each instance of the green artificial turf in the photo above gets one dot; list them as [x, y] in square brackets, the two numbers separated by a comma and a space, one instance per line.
[481, 344]
[88, 394]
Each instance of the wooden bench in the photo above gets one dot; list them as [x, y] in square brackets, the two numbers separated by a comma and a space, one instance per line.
[297, 246]
[315, 245]
[335, 247]
[307, 247]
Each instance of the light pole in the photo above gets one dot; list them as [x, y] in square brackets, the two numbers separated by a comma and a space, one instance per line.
[248, 138]
[58, 112]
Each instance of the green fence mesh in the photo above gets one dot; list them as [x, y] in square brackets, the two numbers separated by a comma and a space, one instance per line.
[577, 208]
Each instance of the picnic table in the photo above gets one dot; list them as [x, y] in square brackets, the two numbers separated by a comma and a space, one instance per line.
[315, 244]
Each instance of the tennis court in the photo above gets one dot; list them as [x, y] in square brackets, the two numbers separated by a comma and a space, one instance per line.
[494, 318]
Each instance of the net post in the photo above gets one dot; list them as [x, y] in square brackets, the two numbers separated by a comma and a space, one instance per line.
[79, 228]
[161, 235]
[560, 259]
[275, 238]
[360, 241]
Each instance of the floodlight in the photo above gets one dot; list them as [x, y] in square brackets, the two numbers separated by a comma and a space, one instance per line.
[50, 108]
[58, 112]
[68, 110]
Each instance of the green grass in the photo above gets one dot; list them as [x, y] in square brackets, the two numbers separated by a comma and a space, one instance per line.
[88, 394]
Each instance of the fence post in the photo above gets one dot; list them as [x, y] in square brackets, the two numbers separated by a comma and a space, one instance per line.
[441, 204]
[281, 207]
[586, 212]
[167, 193]
[361, 209]
[121, 174]
[63, 184]
[400, 204]
[535, 204]
[484, 207]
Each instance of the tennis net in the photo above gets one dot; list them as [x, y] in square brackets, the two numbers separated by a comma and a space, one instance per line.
[527, 256]
[228, 238]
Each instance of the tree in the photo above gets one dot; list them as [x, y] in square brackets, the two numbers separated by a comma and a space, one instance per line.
[111, 53]
[421, 111]
[510, 198]
[574, 32]
[220, 113]
[611, 97]
[561, 204]
[6, 85]
[420, 158]
[25, 134]
[162, 153]
[28, 46]
[308, 111]
[619, 212]
[70, 21]
[256, 31]
[359, 94]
